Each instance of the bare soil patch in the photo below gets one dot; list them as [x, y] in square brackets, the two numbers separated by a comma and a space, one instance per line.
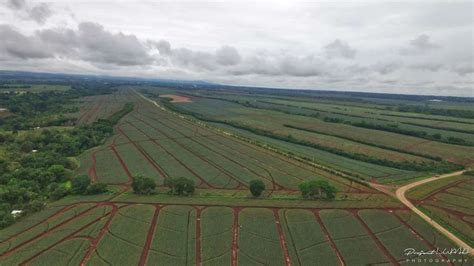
[176, 98]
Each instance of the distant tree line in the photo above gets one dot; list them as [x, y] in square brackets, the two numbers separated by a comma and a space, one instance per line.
[438, 167]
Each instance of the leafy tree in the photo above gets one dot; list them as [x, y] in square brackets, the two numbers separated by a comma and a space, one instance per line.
[181, 186]
[58, 171]
[143, 185]
[6, 218]
[317, 189]
[256, 187]
[96, 188]
[80, 183]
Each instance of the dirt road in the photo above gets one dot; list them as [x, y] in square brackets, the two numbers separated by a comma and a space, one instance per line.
[400, 194]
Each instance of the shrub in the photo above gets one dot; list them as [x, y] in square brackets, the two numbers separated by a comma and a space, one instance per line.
[256, 187]
[96, 188]
[58, 193]
[143, 185]
[181, 186]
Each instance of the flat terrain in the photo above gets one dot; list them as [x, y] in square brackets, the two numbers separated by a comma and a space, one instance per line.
[222, 142]
[98, 233]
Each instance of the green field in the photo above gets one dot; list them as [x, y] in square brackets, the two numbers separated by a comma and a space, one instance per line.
[222, 140]
[450, 202]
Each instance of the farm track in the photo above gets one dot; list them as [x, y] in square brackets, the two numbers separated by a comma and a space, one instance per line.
[150, 236]
[418, 235]
[111, 214]
[281, 236]
[140, 149]
[201, 179]
[275, 185]
[225, 172]
[377, 241]
[93, 243]
[329, 238]
[400, 194]
[280, 187]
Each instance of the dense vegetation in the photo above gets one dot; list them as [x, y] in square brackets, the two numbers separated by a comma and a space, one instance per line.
[39, 163]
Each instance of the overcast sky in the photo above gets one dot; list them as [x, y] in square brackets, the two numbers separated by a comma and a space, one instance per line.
[415, 47]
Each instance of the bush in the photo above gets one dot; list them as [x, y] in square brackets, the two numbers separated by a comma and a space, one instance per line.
[181, 186]
[143, 185]
[317, 189]
[256, 187]
[80, 184]
[96, 188]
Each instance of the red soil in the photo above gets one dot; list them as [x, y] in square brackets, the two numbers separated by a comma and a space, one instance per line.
[176, 98]
[379, 244]
[235, 236]
[329, 238]
[284, 247]
[225, 172]
[95, 241]
[150, 235]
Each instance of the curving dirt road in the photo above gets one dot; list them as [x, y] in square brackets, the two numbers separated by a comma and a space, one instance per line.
[400, 194]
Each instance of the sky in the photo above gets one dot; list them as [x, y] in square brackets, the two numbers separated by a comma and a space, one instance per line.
[409, 47]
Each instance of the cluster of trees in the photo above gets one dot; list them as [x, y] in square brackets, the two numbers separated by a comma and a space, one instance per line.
[28, 196]
[438, 167]
[310, 189]
[38, 164]
[179, 186]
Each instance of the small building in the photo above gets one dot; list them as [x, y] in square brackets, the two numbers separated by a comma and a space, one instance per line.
[16, 213]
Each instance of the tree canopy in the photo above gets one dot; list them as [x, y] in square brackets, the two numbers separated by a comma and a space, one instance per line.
[181, 186]
[143, 185]
[317, 189]
[256, 187]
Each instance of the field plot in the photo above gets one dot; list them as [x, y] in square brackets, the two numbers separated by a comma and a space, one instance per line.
[450, 202]
[92, 108]
[360, 129]
[159, 144]
[131, 233]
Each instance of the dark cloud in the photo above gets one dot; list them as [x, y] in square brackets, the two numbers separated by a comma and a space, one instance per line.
[16, 45]
[228, 56]
[16, 4]
[90, 42]
[163, 46]
[338, 48]
[38, 12]
[98, 45]
[419, 45]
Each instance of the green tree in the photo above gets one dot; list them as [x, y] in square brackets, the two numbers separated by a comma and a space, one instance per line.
[80, 183]
[143, 185]
[256, 187]
[58, 171]
[181, 186]
[317, 189]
